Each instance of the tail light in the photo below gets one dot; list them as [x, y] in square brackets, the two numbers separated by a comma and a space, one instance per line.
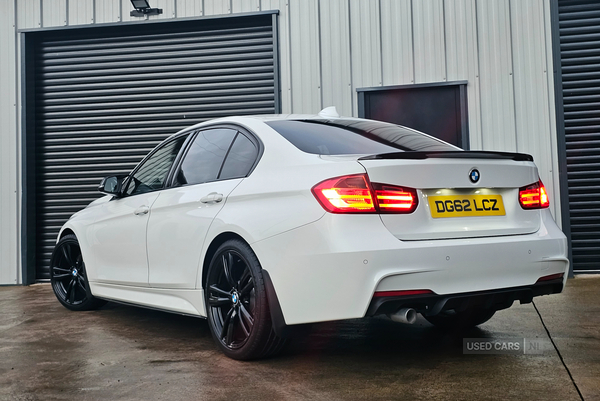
[534, 196]
[403, 293]
[355, 194]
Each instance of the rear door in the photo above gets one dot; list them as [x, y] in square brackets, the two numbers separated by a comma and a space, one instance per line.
[216, 162]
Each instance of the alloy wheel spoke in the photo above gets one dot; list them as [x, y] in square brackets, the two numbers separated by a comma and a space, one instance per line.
[214, 301]
[226, 324]
[243, 326]
[71, 291]
[81, 283]
[248, 287]
[66, 249]
[59, 276]
[245, 276]
[229, 339]
[247, 317]
[60, 269]
[219, 291]
[227, 269]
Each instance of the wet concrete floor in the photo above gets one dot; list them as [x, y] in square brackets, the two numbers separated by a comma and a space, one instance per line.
[126, 353]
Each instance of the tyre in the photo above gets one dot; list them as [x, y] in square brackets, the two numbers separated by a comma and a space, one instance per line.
[237, 307]
[69, 278]
[463, 320]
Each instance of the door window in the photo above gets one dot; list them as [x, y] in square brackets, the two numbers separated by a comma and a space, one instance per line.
[240, 159]
[153, 172]
[205, 156]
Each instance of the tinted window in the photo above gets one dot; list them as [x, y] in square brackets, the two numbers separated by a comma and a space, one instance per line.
[152, 174]
[344, 137]
[205, 156]
[240, 159]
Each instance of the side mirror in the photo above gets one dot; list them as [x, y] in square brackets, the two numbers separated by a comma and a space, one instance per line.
[111, 185]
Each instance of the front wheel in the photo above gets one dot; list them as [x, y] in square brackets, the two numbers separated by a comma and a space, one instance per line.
[462, 320]
[69, 278]
[237, 306]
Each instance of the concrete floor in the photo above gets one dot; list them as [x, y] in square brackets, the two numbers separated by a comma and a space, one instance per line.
[126, 353]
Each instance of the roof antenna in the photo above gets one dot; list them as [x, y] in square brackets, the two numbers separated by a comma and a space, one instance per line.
[329, 112]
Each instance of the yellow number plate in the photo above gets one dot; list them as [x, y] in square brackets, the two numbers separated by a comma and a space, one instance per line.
[466, 205]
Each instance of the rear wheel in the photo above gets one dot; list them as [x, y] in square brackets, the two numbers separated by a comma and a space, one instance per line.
[464, 319]
[237, 306]
[69, 277]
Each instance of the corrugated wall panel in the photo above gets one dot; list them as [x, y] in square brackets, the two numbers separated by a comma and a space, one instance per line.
[189, 8]
[104, 101]
[335, 51]
[462, 62]
[430, 52]
[54, 13]
[285, 63]
[397, 42]
[217, 7]
[9, 162]
[245, 6]
[365, 46]
[531, 87]
[305, 56]
[580, 61]
[80, 12]
[108, 11]
[495, 76]
[29, 14]
[168, 7]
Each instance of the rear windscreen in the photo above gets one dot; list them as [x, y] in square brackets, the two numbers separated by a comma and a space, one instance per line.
[349, 137]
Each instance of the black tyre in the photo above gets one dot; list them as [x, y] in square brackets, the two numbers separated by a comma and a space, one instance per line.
[461, 320]
[69, 278]
[237, 307]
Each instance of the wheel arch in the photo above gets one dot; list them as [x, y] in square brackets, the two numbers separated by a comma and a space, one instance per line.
[212, 249]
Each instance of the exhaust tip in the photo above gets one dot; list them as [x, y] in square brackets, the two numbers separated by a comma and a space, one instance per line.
[404, 315]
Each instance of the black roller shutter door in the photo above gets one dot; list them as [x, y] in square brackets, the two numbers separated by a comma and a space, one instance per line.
[106, 96]
[580, 58]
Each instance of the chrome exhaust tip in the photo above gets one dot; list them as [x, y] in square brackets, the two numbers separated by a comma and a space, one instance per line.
[404, 315]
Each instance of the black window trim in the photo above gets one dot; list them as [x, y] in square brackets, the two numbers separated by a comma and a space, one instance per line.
[149, 155]
[169, 183]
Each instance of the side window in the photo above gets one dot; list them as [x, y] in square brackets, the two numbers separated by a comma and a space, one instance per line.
[204, 158]
[152, 174]
[240, 159]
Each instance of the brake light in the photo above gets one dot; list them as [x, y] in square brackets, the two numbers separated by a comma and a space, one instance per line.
[348, 194]
[355, 194]
[392, 199]
[534, 196]
[551, 277]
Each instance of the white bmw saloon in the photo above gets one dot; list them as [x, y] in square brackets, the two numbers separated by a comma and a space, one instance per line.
[264, 223]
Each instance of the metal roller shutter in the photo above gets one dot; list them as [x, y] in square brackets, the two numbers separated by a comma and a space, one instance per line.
[579, 24]
[106, 97]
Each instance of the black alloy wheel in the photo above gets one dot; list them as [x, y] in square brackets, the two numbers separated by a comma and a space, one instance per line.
[237, 306]
[68, 276]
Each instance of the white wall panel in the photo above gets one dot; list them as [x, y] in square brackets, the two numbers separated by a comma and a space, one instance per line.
[54, 13]
[461, 58]
[217, 7]
[168, 7]
[9, 162]
[245, 6]
[429, 47]
[29, 13]
[109, 11]
[531, 86]
[397, 42]
[365, 46]
[305, 56]
[284, 50]
[80, 12]
[189, 8]
[335, 52]
[496, 76]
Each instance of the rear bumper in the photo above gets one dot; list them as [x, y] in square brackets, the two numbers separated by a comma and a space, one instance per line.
[330, 269]
[431, 305]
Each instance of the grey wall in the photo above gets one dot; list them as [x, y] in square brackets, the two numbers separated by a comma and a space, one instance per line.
[329, 48]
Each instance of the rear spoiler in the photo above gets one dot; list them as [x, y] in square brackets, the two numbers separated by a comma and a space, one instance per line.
[459, 154]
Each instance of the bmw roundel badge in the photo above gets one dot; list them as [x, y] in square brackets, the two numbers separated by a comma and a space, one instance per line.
[474, 175]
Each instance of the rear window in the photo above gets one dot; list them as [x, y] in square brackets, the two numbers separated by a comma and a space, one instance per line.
[348, 137]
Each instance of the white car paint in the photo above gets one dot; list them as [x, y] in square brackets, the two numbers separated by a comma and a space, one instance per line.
[323, 266]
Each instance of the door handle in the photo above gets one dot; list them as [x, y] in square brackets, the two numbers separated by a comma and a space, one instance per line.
[212, 197]
[140, 211]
